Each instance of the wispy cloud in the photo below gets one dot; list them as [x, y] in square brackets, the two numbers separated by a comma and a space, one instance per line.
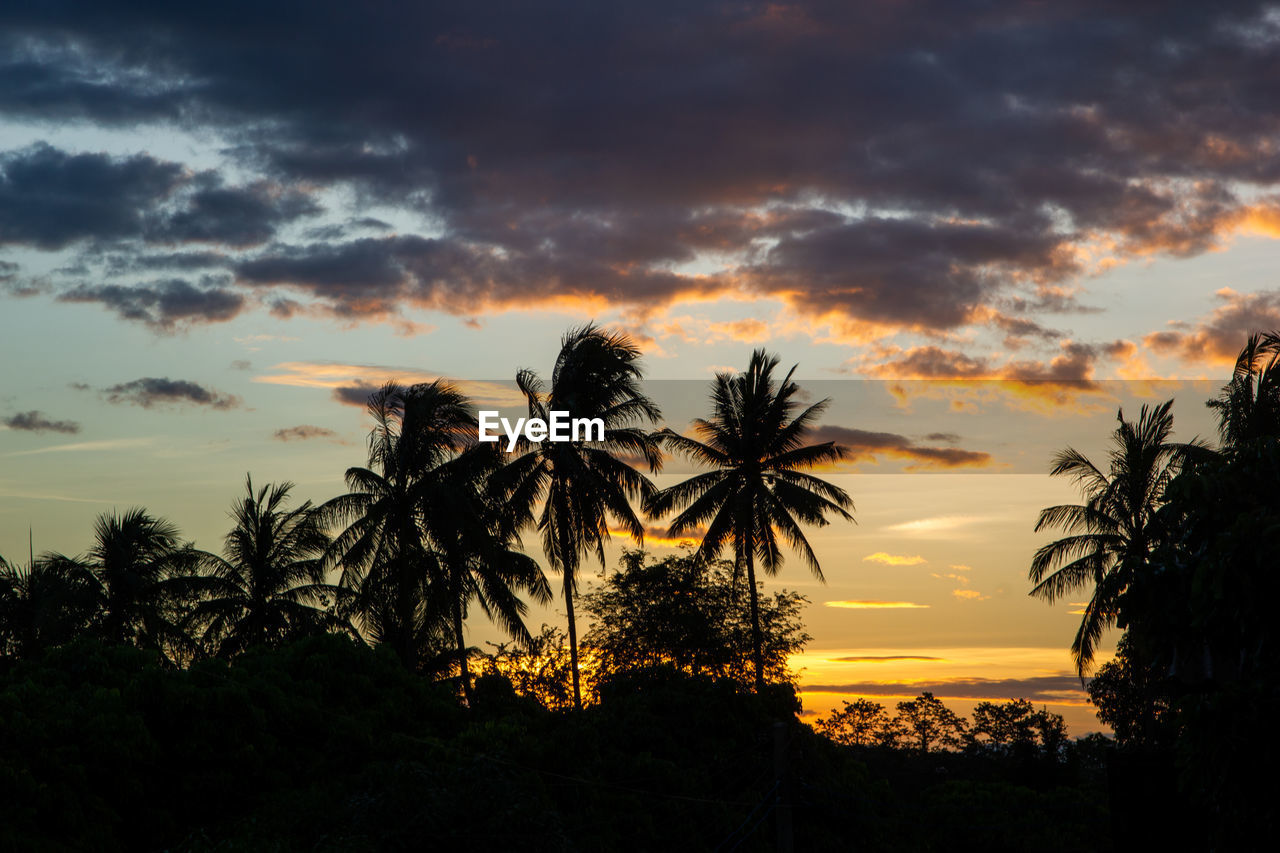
[894, 559]
[1063, 689]
[884, 658]
[870, 604]
[88, 446]
[352, 383]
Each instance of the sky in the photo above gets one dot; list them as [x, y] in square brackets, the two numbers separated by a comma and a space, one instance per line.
[980, 229]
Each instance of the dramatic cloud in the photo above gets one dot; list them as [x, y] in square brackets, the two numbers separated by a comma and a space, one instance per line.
[1216, 339]
[49, 198]
[162, 305]
[152, 391]
[867, 446]
[303, 433]
[35, 421]
[632, 167]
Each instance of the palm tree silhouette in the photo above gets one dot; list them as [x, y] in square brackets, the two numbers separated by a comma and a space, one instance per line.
[269, 585]
[44, 604]
[133, 558]
[580, 485]
[473, 537]
[1249, 405]
[758, 486]
[383, 552]
[1110, 534]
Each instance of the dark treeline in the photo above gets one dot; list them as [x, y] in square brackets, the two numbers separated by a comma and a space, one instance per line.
[310, 686]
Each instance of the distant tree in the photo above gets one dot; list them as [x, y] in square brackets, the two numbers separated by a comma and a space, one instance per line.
[686, 612]
[928, 722]
[133, 557]
[539, 668]
[1004, 725]
[44, 604]
[1051, 729]
[758, 487]
[1110, 535]
[268, 587]
[579, 485]
[858, 723]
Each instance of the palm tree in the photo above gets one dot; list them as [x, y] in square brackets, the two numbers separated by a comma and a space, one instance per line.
[758, 486]
[383, 552]
[269, 585]
[44, 604]
[582, 485]
[473, 540]
[133, 557]
[1110, 535]
[1249, 405]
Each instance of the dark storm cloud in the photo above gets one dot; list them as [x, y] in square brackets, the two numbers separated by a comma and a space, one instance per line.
[150, 391]
[912, 164]
[163, 305]
[35, 421]
[49, 198]
[232, 216]
[865, 445]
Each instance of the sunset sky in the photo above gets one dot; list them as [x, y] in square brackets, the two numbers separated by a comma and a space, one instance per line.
[979, 229]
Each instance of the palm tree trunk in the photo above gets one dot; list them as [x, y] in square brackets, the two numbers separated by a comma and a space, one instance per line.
[757, 642]
[463, 671]
[573, 639]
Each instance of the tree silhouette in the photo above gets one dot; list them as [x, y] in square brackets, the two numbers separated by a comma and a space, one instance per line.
[858, 723]
[1110, 534]
[928, 722]
[1248, 406]
[133, 558]
[269, 584]
[758, 486]
[44, 604]
[383, 552]
[683, 612]
[473, 534]
[581, 485]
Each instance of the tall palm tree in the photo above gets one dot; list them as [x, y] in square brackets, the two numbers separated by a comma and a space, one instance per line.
[758, 486]
[1110, 535]
[133, 557]
[1249, 405]
[44, 604]
[269, 584]
[581, 485]
[472, 537]
[383, 552]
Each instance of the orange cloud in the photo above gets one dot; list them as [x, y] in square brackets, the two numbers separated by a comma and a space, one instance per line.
[867, 604]
[894, 559]
[1216, 339]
